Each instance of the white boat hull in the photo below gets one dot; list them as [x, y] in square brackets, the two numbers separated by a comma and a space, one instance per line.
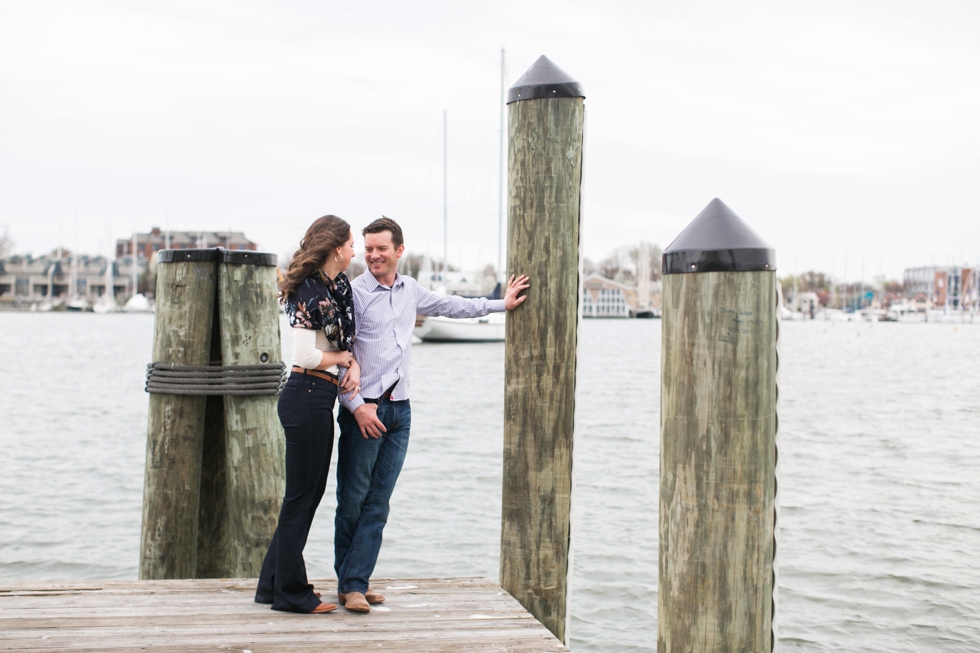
[138, 304]
[477, 329]
[105, 306]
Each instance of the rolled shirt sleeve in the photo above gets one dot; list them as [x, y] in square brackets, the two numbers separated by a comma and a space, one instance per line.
[432, 304]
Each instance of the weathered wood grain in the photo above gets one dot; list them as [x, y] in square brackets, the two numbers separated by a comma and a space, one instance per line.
[246, 474]
[717, 462]
[544, 191]
[182, 335]
[471, 614]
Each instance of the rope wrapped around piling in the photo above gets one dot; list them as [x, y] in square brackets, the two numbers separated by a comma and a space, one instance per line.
[237, 380]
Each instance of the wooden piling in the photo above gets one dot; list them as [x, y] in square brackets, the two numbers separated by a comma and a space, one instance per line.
[185, 296]
[244, 505]
[718, 448]
[546, 121]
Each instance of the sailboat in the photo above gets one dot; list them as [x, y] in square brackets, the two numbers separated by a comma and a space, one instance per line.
[47, 303]
[490, 328]
[643, 308]
[75, 303]
[138, 302]
[107, 302]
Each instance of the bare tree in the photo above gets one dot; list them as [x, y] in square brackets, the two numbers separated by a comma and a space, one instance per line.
[411, 264]
[356, 269]
[6, 243]
[622, 264]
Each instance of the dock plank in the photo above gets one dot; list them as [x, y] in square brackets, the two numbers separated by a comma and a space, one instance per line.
[445, 614]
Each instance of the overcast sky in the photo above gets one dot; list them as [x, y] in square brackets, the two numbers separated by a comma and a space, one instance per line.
[838, 130]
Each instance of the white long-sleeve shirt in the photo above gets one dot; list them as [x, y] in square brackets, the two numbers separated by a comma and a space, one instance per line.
[308, 348]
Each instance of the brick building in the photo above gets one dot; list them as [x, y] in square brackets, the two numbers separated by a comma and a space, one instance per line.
[157, 239]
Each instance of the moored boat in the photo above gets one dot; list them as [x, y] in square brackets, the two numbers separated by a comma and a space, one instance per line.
[475, 329]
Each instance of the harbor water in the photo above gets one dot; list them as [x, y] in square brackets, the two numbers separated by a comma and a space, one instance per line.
[879, 488]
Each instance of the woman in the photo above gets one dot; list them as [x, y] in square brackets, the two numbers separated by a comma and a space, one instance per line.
[318, 301]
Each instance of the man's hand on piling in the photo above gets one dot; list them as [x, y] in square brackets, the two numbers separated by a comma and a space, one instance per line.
[367, 420]
[515, 286]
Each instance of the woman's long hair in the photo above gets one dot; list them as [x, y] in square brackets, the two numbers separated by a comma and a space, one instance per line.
[322, 239]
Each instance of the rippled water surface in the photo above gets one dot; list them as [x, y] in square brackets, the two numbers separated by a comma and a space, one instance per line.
[880, 488]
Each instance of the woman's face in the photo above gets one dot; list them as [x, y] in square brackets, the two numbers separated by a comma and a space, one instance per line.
[347, 252]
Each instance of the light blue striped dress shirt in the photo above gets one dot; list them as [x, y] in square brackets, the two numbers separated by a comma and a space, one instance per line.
[385, 319]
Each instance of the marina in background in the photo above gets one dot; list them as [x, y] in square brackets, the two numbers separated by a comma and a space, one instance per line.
[928, 293]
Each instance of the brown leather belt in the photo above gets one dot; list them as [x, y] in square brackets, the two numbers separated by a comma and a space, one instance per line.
[327, 376]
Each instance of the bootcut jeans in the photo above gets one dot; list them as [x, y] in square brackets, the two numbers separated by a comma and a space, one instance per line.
[367, 469]
[306, 413]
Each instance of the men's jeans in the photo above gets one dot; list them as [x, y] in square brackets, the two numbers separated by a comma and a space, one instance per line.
[367, 469]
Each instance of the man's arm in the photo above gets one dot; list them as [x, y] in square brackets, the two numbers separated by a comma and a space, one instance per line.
[432, 304]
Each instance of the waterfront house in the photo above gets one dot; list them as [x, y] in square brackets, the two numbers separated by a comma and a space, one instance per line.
[602, 297]
[24, 278]
[948, 288]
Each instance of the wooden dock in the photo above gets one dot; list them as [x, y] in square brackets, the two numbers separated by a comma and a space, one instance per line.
[445, 614]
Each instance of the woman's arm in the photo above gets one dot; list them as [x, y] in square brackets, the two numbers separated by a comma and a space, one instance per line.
[331, 358]
[309, 357]
[351, 382]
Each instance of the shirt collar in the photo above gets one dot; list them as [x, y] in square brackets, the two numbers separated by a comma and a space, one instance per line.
[374, 284]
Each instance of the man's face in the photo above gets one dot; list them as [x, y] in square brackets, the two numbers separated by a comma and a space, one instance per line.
[381, 255]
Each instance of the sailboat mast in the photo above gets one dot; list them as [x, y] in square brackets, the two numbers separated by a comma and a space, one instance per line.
[135, 270]
[445, 198]
[501, 273]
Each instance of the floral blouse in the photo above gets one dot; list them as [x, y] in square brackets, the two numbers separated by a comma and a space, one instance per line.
[322, 303]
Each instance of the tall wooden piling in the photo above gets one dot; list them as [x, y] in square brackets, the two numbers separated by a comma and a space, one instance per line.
[546, 118]
[718, 447]
[245, 506]
[185, 295]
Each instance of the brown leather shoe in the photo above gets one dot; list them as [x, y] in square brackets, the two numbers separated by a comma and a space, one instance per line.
[354, 601]
[373, 597]
[324, 608]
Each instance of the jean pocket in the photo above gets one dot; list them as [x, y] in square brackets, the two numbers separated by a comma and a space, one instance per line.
[287, 405]
[326, 396]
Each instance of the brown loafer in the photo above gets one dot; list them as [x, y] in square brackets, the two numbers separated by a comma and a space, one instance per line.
[354, 601]
[324, 608]
[373, 597]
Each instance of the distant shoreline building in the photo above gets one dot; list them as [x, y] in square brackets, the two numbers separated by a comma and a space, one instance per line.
[157, 239]
[48, 277]
[602, 297]
[25, 278]
[952, 288]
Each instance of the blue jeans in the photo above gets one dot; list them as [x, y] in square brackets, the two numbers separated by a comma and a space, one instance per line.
[367, 469]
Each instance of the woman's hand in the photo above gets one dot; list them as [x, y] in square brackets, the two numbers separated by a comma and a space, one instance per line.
[352, 379]
[331, 358]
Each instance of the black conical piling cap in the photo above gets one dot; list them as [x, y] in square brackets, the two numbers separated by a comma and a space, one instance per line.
[544, 79]
[717, 240]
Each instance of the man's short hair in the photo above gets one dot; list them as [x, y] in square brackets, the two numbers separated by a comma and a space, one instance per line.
[386, 224]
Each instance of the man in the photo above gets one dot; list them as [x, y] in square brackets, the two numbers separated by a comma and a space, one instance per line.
[375, 422]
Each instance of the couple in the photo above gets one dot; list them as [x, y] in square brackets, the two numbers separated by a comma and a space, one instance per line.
[355, 339]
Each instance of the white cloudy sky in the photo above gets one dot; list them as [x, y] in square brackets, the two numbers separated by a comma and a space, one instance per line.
[839, 130]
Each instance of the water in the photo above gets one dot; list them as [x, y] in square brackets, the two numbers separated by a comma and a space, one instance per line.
[880, 527]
